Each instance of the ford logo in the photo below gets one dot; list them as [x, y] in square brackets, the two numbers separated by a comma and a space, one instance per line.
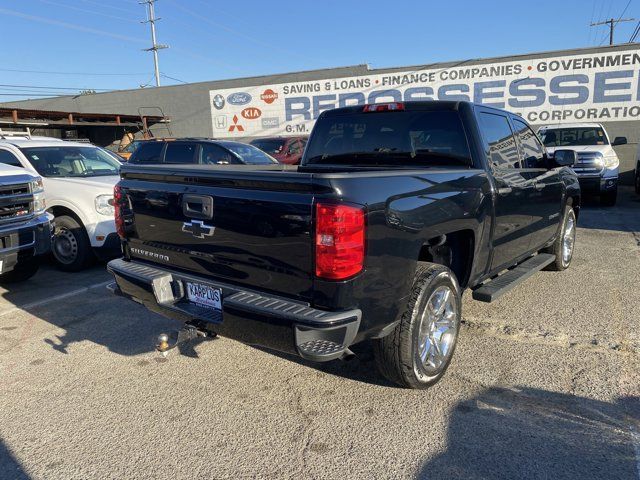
[239, 98]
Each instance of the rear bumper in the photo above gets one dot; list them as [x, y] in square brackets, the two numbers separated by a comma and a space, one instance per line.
[247, 316]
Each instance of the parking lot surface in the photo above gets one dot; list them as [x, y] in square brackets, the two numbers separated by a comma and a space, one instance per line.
[545, 383]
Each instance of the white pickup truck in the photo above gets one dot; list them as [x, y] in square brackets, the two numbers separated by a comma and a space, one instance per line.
[78, 180]
[598, 164]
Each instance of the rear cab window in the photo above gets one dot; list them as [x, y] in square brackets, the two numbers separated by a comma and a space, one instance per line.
[404, 138]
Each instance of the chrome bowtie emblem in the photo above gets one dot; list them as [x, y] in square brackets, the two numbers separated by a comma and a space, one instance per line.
[198, 229]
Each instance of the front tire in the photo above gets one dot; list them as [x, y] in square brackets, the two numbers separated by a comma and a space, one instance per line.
[564, 245]
[24, 270]
[71, 248]
[419, 350]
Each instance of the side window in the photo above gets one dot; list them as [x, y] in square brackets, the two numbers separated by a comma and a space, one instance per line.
[212, 154]
[150, 152]
[9, 158]
[533, 149]
[180, 153]
[500, 142]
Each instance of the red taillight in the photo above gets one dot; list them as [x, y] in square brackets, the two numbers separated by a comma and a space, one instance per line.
[339, 241]
[383, 107]
[118, 199]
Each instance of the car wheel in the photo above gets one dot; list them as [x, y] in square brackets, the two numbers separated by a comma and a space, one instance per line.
[418, 351]
[564, 245]
[71, 248]
[24, 270]
[608, 199]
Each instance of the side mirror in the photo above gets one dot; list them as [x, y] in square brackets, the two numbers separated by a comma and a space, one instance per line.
[619, 141]
[565, 158]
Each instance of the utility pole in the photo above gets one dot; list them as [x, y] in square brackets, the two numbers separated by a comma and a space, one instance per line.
[612, 22]
[154, 46]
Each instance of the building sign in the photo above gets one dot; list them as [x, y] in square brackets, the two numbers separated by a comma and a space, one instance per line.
[577, 88]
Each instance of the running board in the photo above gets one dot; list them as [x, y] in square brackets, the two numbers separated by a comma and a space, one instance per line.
[494, 289]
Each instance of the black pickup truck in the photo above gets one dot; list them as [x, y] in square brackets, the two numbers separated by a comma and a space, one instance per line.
[394, 210]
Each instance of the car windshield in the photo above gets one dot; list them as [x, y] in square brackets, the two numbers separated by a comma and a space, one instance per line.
[392, 138]
[71, 161]
[561, 137]
[250, 154]
[272, 146]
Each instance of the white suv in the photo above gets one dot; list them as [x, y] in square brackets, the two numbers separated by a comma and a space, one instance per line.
[597, 166]
[78, 181]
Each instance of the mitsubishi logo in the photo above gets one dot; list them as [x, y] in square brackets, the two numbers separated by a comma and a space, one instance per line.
[198, 229]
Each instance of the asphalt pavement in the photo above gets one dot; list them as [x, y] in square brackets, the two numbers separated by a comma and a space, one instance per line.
[545, 383]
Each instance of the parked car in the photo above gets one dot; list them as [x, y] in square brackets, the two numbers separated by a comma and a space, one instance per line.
[25, 226]
[284, 149]
[597, 166]
[199, 151]
[378, 232]
[78, 179]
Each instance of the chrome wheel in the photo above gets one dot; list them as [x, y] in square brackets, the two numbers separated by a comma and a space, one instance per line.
[437, 333]
[568, 238]
[65, 246]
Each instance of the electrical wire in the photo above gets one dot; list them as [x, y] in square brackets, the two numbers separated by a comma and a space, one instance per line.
[93, 12]
[45, 72]
[54, 88]
[172, 78]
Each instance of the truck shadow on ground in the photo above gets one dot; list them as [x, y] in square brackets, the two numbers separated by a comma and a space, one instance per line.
[10, 467]
[88, 312]
[530, 433]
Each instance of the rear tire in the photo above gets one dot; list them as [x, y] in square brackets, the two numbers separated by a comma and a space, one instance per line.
[608, 199]
[418, 351]
[24, 270]
[564, 245]
[71, 248]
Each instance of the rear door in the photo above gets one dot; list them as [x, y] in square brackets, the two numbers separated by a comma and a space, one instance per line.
[512, 229]
[546, 196]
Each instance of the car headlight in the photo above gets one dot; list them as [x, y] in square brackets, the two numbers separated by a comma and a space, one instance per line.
[611, 162]
[104, 205]
[37, 189]
[36, 185]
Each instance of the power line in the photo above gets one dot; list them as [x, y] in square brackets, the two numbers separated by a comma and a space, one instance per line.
[172, 78]
[93, 12]
[633, 36]
[54, 88]
[45, 72]
[70, 26]
[612, 22]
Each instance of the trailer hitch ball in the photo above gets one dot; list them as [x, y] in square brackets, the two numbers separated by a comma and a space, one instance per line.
[163, 343]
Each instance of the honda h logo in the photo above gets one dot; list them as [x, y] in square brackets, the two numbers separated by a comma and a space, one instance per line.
[198, 229]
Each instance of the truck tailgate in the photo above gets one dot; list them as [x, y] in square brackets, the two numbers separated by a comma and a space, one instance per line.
[258, 233]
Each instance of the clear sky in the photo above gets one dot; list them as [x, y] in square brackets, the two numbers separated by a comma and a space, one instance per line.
[98, 44]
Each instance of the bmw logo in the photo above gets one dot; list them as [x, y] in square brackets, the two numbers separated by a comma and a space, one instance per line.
[218, 101]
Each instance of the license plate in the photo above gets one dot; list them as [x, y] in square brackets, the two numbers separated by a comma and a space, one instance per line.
[204, 295]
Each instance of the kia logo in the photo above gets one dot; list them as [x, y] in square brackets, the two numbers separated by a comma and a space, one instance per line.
[239, 98]
[251, 113]
[269, 96]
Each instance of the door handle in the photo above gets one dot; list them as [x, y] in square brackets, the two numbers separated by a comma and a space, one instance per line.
[505, 190]
[197, 206]
[539, 186]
